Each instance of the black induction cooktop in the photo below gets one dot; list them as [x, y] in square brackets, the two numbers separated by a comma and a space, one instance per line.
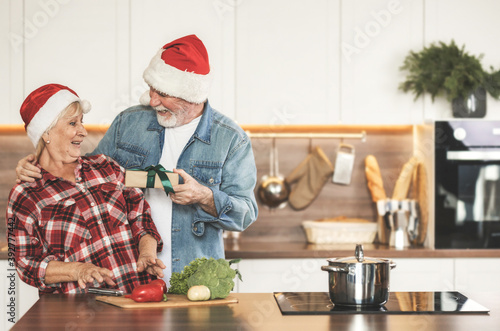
[318, 303]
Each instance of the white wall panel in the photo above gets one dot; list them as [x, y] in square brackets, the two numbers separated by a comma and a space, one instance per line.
[287, 62]
[5, 61]
[82, 44]
[376, 37]
[11, 60]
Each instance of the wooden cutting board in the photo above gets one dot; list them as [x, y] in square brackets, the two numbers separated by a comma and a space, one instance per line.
[174, 300]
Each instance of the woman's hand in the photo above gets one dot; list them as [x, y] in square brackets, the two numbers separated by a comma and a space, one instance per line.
[26, 171]
[88, 273]
[147, 260]
[151, 265]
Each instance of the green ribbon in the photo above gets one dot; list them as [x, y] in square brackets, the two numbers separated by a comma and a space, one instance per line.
[160, 171]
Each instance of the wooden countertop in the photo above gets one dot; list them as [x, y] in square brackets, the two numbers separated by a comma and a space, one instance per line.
[257, 250]
[254, 311]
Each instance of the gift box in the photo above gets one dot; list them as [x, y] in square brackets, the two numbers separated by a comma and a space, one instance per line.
[143, 178]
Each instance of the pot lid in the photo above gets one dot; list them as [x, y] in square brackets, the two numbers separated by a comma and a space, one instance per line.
[359, 257]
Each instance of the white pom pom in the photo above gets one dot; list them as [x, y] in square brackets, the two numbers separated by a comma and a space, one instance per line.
[145, 98]
[86, 106]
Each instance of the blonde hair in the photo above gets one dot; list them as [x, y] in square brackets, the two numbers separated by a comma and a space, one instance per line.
[73, 109]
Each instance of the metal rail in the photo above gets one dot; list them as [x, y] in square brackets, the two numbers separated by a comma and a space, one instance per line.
[361, 135]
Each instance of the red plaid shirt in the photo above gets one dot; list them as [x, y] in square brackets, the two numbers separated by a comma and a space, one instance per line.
[95, 220]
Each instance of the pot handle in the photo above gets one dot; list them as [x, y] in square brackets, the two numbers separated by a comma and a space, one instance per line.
[334, 269]
[392, 265]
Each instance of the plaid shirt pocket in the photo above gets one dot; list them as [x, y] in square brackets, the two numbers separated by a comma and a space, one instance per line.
[116, 206]
[63, 227]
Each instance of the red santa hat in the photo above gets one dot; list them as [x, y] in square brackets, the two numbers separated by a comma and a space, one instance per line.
[180, 69]
[40, 109]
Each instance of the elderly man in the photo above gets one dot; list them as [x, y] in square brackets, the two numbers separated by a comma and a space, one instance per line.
[176, 127]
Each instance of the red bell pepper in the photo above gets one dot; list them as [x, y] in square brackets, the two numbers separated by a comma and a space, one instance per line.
[161, 283]
[148, 293]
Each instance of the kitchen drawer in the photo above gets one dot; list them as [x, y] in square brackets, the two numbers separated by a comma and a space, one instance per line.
[477, 275]
[277, 275]
[422, 275]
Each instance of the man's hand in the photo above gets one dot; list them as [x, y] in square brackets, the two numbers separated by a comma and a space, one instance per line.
[88, 273]
[26, 171]
[192, 192]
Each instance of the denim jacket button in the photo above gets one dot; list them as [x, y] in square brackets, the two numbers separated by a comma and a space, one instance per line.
[195, 228]
[211, 180]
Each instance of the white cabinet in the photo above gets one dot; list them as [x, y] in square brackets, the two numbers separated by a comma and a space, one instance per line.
[477, 275]
[275, 62]
[422, 275]
[376, 37]
[410, 274]
[82, 44]
[11, 60]
[325, 62]
[287, 62]
[278, 275]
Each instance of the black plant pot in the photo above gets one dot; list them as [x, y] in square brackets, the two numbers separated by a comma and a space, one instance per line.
[472, 106]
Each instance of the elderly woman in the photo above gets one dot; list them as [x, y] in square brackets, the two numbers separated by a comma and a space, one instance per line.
[78, 224]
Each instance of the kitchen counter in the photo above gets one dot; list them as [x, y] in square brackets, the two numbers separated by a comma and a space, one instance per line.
[258, 250]
[254, 311]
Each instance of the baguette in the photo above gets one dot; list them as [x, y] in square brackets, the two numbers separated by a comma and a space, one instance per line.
[374, 179]
[403, 182]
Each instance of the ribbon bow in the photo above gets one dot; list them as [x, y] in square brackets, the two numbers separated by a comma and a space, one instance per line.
[160, 171]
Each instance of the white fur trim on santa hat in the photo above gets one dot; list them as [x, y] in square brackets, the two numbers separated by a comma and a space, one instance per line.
[185, 85]
[145, 98]
[49, 112]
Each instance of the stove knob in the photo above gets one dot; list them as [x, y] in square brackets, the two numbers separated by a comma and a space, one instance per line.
[459, 134]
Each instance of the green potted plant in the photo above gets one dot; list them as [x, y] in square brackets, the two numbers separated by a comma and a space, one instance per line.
[446, 70]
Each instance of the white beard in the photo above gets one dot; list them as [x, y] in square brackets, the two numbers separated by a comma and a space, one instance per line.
[173, 121]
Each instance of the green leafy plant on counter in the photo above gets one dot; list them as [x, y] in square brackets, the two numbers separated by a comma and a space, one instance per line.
[447, 70]
[217, 275]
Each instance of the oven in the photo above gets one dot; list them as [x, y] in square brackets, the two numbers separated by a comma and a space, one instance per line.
[467, 184]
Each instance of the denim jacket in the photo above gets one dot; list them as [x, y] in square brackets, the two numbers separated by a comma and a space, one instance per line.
[219, 155]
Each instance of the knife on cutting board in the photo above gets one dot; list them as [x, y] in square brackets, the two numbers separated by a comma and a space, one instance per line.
[105, 291]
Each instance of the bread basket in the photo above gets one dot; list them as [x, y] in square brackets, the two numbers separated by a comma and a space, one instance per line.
[340, 231]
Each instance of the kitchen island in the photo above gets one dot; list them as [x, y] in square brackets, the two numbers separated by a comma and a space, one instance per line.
[254, 311]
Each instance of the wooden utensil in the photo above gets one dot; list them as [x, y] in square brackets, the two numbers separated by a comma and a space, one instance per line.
[420, 193]
[174, 300]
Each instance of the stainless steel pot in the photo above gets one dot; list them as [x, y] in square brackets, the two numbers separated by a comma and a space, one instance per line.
[359, 280]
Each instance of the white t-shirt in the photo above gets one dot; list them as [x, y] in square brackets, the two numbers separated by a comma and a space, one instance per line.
[161, 205]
